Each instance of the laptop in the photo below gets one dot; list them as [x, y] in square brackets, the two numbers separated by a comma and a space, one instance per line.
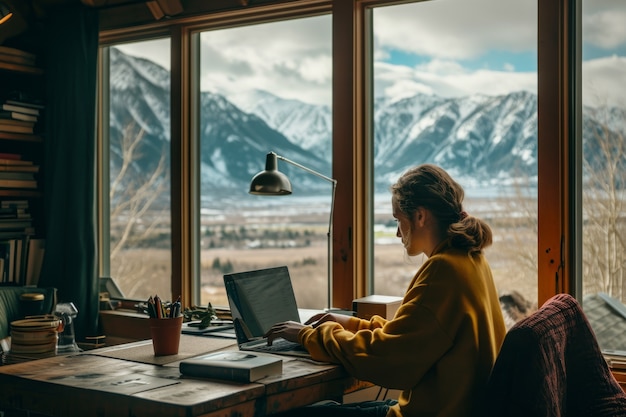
[259, 299]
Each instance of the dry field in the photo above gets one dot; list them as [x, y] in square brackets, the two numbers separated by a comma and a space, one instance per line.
[512, 257]
[393, 272]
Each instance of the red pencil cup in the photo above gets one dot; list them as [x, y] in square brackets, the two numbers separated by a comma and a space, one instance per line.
[165, 335]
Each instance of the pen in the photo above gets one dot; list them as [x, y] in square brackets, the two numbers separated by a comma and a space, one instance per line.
[175, 308]
[151, 308]
[158, 306]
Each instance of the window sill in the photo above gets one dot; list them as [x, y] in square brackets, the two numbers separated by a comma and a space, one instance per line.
[620, 376]
[124, 326]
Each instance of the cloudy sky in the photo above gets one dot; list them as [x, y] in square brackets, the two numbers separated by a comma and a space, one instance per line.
[445, 47]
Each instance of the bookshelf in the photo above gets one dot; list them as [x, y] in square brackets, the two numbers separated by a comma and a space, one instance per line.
[21, 166]
[24, 69]
[21, 137]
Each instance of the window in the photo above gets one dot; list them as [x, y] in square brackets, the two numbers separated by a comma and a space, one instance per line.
[265, 88]
[604, 170]
[448, 94]
[136, 196]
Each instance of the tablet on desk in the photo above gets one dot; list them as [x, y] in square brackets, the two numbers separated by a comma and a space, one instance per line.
[221, 328]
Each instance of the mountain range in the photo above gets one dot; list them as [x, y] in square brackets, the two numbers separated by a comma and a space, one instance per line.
[481, 140]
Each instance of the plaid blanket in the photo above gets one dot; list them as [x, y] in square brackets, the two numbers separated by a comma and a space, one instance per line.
[550, 365]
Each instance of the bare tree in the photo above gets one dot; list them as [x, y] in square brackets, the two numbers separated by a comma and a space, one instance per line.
[515, 228]
[604, 254]
[135, 218]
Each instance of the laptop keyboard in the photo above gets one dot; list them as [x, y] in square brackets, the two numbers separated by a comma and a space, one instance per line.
[281, 345]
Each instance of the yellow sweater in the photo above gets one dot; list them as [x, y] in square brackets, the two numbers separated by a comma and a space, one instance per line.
[438, 349]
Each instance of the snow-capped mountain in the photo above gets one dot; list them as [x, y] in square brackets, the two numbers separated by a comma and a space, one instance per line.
[480, 139]
[307, 125]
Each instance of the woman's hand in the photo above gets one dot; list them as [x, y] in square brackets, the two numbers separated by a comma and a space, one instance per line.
[320, 318]
[287, 330]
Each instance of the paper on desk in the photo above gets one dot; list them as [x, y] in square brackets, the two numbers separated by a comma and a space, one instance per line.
[121, 384]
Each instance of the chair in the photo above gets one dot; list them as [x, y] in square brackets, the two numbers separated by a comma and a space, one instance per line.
[550, 365]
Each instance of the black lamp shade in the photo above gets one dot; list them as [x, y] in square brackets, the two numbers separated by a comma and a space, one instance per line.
[271, 181]
[5, 13]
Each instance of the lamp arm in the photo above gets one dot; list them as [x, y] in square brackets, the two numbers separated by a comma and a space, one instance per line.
[309, 170]
[330, 222]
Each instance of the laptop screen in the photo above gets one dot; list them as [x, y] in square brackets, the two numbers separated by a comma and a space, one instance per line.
[261, 298]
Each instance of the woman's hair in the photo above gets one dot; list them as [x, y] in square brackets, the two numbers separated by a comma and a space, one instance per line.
[431, 187]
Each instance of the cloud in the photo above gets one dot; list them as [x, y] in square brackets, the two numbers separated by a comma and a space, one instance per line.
[292, 59]
[157, 51]
[448, 79]
[425, 47]
[454, 29]
[603, 23]
[600, 87]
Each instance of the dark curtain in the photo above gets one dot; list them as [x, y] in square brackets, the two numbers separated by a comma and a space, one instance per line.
[71, 38]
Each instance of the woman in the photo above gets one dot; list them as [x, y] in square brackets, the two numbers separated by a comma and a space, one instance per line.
[441, 345]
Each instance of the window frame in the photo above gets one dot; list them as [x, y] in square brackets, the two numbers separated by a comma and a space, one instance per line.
[559, 136]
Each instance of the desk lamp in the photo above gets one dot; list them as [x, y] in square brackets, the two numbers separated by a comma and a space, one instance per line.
[273, 182]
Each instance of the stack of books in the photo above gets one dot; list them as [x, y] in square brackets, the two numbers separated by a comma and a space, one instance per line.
[17, 56]
[21, 252]
[20, 114]
[33, 338]
[15, 219]
[16, 172]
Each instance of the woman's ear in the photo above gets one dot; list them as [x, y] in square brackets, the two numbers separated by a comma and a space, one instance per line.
[419, 217]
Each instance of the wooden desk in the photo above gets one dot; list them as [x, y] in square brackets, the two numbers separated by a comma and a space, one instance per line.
[95, 383]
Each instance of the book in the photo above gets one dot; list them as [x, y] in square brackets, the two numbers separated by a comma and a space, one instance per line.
[7, 50]
[14, 175]
[14, 161]
[17, 59]
[16, 122]
[14, 223]
[34, 104]
[14, 204]
[232, 365]
[36, 248]
[18, 261]
[12, 183]
[15, 214]
[20, 109]
[7, 253]
[13, 115]
[12, 234]
[16, 128]
[19, 168]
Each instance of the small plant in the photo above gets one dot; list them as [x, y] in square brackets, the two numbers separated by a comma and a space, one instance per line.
[205, 315]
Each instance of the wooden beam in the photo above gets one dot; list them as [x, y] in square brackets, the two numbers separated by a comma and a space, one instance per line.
[155, 9]
[555, 195]
[170, 7]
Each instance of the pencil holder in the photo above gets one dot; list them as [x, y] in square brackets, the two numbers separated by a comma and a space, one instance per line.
[165, 335]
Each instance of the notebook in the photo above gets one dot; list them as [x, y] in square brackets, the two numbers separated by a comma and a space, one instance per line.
[259, 299]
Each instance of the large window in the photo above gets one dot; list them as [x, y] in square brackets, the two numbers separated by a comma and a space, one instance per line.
[448, 94]
[256, 79]
[604, 169]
